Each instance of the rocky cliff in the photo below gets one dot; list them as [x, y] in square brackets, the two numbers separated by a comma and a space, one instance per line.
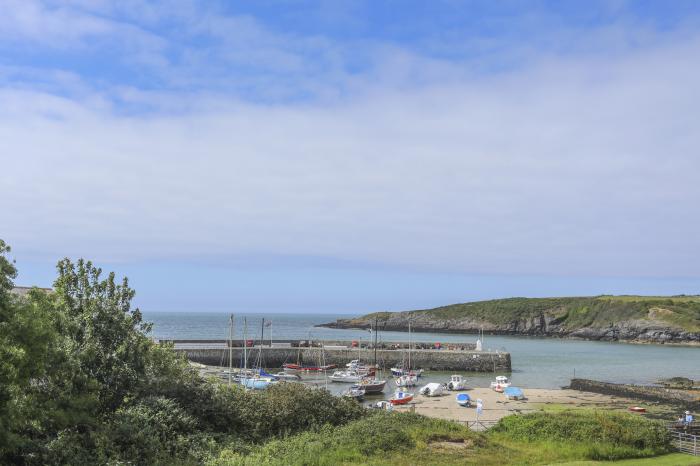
[624, 318]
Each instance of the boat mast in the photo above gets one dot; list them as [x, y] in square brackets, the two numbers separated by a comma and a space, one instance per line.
[409, 345]
[245, 346]
[375, 342]
[230, 348]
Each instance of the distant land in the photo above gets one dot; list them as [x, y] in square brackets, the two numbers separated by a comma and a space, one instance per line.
[637, 319]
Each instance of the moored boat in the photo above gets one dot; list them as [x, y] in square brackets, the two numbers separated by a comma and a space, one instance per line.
[289, 367]
[372, 386]
[407, 381]
[345, 377]
[355, 392]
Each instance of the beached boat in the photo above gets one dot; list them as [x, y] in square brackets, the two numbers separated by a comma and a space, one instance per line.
[345, 377]
[382, 405]
[257, 383]
[355, 392]
[500, 384]
[464, 400]
[432, 389]
[637, 409]
[401, 398]
[513, 393]
[457, 383]
[407, 381]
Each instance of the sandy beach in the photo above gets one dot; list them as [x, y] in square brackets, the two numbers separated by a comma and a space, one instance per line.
[495, 405]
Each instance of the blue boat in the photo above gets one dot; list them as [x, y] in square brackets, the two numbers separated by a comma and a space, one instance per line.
[513, 393]
[256, 383]
[464, 400]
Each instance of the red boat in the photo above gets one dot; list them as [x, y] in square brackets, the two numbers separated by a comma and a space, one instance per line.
[638, 409]
[297, 367]
[401, 398]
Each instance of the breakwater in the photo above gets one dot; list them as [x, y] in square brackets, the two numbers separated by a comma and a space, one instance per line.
[274, 356]
[690, 399]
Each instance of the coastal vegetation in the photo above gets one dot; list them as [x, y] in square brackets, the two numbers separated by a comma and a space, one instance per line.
[672, 319]
[81, 384]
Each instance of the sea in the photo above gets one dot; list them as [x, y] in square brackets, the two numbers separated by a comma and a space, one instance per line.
[537, 362]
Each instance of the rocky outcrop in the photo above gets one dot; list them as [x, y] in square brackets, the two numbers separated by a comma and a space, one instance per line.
[543, 324]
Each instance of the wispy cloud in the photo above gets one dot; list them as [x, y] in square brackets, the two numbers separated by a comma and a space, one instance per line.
[568, 163]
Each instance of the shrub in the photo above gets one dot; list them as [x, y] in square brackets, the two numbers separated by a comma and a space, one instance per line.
[610, 435]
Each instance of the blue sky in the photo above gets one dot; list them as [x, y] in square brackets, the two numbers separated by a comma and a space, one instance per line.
[331, 156]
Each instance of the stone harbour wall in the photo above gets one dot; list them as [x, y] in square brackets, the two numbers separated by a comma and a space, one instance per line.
[690, 399]
[438, 360]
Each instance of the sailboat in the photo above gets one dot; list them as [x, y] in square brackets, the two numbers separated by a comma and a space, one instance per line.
[372, 384]
[260, 380]
[407, 377]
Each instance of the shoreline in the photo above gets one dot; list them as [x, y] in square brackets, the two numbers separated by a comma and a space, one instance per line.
[473, 332]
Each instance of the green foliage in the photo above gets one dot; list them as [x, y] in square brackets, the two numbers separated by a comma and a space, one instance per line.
[607, 435]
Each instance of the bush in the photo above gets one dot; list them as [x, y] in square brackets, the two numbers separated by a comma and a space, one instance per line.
[610, 435]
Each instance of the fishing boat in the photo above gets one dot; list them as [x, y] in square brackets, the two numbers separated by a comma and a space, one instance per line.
[355, 392]
[513, 393]
[463, 399]
[407, 381]
[345, 377]
[372, 386]
[401, 398]
[456, 383]
[500, 384]
[432, 389]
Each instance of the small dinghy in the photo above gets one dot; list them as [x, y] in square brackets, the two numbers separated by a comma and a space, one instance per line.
[432, 389]
[464, 400]
[288, 377]
[637, 409]
[401, 398]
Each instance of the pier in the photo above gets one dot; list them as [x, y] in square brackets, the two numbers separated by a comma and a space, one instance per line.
[448, 357]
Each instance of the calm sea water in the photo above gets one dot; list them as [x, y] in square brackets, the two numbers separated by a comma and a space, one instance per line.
[537, 362]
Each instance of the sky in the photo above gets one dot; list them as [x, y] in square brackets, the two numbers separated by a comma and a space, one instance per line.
[347, 157]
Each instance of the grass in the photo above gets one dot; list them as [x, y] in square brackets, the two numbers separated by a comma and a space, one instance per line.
[388, 439]
[673, 459]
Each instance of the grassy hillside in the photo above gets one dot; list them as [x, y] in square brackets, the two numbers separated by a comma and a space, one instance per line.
[572, 312]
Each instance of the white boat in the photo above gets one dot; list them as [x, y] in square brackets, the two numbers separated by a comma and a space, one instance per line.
[345, 377]
[407, 381]
[355, 392]
[457, 383]
[500, 384]
[432, 389]
[288, 377]
[353, 364]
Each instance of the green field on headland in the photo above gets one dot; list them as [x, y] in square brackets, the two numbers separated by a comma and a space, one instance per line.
[654, 319]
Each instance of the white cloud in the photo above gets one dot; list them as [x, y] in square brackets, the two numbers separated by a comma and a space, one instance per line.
[569, 167]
